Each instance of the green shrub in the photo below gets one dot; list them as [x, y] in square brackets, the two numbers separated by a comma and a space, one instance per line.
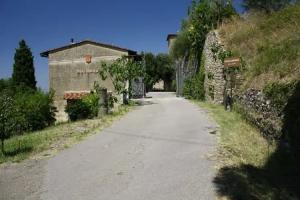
[77, 110]
[194, 87]
[92, 101]
[37, 109]
[10, 117]
[87, 107]
[5, 84]
[24, 110]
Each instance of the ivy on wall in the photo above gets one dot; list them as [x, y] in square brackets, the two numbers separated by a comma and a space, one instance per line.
[220, 53]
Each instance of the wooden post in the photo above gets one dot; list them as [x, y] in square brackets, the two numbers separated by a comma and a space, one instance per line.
[110, 107]
[103, 103]
[230, 77]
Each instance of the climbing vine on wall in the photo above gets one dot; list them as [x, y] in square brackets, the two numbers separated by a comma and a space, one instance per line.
[220, 53]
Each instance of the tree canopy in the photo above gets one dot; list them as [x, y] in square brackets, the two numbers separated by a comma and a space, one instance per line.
[23, 68]
[158, 67]
[120, 71]
[203, 16]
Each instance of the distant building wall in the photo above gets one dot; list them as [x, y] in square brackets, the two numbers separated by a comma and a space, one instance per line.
[171, 42]
[159, 85]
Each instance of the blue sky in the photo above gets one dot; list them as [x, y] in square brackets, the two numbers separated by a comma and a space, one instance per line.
[141, 25]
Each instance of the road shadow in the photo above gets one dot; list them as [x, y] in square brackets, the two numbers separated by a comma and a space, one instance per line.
[279, 178]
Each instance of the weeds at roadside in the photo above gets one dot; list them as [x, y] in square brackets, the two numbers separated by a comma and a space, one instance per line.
[50, 140]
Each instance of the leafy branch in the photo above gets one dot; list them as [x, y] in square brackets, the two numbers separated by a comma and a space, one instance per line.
[120, 72]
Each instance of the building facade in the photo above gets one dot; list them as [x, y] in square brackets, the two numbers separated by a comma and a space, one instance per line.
[73, 70]
[171, 40]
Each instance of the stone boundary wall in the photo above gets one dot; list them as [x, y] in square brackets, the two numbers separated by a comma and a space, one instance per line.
[214, 83]
[257, 109]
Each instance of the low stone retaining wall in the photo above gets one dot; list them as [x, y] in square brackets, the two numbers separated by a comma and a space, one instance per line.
[257, 109]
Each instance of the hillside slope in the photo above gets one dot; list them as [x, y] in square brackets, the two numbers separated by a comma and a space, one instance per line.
[270, 46]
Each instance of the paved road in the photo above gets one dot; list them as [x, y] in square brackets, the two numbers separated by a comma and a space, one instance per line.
[160, 151]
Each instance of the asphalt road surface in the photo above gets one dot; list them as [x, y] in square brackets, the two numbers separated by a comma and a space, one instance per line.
[160, 151]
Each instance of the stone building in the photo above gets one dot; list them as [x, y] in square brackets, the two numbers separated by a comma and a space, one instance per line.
[73, 70]
[171, 39]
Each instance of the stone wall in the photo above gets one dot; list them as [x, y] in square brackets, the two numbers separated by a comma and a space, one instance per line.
[257, 109]
[252, 104]
[214, 71]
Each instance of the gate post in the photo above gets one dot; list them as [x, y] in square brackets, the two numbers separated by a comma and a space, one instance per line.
[103, 102]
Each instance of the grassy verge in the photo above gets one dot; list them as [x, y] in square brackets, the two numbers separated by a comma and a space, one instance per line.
[53, 139]
[240, 143]
[249, 167]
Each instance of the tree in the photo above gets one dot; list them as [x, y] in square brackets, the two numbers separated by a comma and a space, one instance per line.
[203, 16]
[267, 5]
[151, 76]
[165, 70]
[120, 71]
[5, 84]
[23, 69]
[9, 118]
[158, 67]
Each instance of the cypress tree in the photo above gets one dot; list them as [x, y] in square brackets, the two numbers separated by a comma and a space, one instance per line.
[23, 69]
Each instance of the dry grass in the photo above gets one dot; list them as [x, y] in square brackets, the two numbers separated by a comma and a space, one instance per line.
[246, 160]
[239, 142]
[270, 45]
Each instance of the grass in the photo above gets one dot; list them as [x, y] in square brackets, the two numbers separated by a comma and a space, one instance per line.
[239, 142]
[248, 164]
[49, 141]
[250, 168]
[270, 45]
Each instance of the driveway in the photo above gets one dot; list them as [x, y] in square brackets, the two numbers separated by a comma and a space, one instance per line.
[160, 151]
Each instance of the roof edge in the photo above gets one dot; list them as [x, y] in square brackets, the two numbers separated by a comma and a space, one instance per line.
[171, 36]
[46, 53]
